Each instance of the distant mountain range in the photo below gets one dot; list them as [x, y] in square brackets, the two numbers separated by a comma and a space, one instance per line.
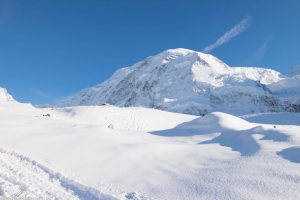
[186, 81]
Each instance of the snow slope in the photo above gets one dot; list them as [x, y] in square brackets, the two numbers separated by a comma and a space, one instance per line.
[185, 81]
[4, 96]
[151, 154]
[274, 118]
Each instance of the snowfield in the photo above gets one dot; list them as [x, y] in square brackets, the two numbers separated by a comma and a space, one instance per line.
[151, 154]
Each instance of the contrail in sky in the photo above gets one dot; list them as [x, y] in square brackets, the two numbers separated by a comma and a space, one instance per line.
[236, 30]
[259, 53]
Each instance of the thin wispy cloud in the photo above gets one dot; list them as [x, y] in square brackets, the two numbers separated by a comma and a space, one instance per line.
[40, 93]
[53, 98]
[236, 30]
[260, 52]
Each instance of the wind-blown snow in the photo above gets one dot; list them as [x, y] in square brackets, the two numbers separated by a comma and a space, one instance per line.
[151, 154]
[185, 81]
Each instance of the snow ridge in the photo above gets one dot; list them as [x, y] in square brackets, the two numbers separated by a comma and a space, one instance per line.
[186, 81]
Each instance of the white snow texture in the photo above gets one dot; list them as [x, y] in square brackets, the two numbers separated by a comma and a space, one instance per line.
[70, 153]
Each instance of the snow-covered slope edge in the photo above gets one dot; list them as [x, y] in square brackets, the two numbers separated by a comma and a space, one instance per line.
[4, 96]
[185, 81]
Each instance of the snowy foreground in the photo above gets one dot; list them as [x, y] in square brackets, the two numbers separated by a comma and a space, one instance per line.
[150, 154]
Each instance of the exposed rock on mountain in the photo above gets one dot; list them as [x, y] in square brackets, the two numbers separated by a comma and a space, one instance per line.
[185, 81]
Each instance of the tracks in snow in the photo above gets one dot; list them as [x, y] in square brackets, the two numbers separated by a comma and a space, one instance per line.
[130, 120]
[22, 177]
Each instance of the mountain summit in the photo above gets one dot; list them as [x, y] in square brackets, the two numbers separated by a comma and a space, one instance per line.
[186, 81]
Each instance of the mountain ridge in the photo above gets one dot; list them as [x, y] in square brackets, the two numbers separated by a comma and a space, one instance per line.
[186, 81]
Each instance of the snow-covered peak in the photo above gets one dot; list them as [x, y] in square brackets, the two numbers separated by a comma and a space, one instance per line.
[4, 96]
[293, 71]
[181, 51]
[186, 81]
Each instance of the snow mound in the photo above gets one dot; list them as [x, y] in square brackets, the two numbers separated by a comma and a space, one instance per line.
[228, 131]
[217, 121]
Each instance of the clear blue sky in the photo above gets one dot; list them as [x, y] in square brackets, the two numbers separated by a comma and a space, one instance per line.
[52, 49]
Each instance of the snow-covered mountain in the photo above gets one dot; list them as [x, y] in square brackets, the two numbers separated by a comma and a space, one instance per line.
[4, 96]
[293, 71]
[185, 81]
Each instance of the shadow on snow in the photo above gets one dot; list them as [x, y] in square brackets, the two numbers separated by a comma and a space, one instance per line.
[292, 154]
[238, 140]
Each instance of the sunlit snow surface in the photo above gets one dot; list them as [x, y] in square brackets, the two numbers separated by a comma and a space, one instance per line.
[150, 154]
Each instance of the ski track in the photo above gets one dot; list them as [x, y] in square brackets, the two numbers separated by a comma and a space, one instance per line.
[22, 177]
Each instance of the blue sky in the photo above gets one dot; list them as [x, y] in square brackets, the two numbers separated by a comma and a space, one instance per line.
[52, 49]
